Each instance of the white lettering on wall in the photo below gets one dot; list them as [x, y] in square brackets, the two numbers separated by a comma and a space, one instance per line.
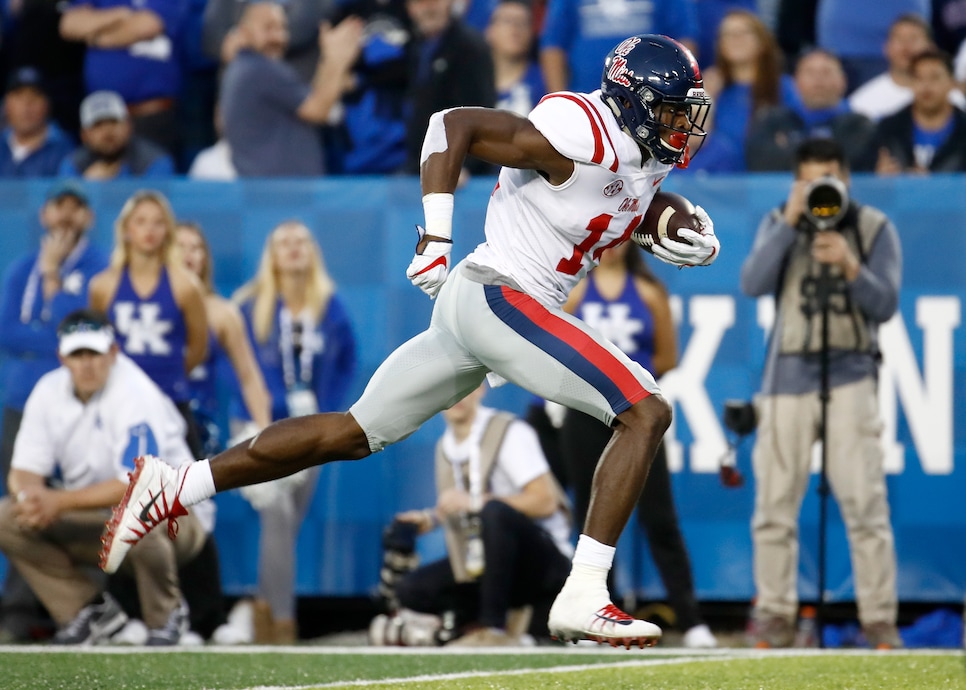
[927, 400]
[710, 317]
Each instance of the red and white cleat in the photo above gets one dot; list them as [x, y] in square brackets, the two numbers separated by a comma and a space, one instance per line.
[152, 497]
[576, 616]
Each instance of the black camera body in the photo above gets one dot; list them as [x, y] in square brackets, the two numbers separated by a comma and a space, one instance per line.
[740, 416]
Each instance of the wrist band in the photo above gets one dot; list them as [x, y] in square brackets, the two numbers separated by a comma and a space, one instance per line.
[438, 211]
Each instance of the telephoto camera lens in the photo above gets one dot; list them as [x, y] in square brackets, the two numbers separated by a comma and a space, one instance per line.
[826, 200]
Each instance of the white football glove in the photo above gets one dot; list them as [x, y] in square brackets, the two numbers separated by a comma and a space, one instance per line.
[700, 250]
[428, 270]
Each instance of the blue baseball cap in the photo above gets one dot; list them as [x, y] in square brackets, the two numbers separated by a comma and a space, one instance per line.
[26, 77]
[68, 187]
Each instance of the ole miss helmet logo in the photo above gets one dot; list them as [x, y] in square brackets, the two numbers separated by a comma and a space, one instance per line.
[618, 68]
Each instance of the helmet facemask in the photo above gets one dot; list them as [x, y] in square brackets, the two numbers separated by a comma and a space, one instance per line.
[670, 129]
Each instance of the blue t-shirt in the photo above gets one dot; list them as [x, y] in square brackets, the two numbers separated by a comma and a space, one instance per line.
[329, 364]
[526, 93]
[587, 30]
[732, 115]
[925, 143]
[28, 338]
[142, 71]
[859, 28]
[44, 162]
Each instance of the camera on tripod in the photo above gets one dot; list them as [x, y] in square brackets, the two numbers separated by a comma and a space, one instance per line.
[826, 201]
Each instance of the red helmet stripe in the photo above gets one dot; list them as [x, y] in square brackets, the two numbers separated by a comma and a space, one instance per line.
[694, 63]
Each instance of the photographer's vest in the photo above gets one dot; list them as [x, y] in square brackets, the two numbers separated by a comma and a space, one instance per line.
[799, 300]
[490, 444]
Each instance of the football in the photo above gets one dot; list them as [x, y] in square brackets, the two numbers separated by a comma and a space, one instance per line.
[668, 213]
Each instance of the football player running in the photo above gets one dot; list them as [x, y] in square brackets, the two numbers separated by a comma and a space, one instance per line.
[578, 176]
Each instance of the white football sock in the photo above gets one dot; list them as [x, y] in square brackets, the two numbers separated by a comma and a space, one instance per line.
[591, 563]
[198, 483]
[589, 551]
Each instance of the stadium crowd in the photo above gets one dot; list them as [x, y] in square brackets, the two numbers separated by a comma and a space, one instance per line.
[303, 88]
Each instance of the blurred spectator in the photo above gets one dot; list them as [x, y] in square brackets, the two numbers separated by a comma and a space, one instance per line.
[371, 134]
[156, 305]
[33, 146]
[819, 112]
[40, 289]
[306, 349]
[891, 91]
[578, 34]
[856, 29]
[930, 134]
[76, 446]
[959, 66]
[507, 528]
[230, 356]
[221, 39]
[746, 78]
[449, 66]
[133, 49]
[519, 79]
[110, 149]
[709, 14]
[271, 118]
[31, 36]
[624, 300]
[949, 24]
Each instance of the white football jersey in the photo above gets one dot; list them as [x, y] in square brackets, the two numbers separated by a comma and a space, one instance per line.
[546, 238]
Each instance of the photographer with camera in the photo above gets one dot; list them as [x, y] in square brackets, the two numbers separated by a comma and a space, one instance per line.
[507, 537]
[834, 267]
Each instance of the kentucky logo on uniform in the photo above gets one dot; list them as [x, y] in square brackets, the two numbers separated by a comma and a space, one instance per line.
[615, 322]
[143, 331]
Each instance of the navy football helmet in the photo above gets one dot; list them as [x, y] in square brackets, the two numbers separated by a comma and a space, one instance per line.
[653, 85]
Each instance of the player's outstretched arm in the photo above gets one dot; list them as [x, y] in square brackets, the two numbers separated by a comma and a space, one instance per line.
[496, 136]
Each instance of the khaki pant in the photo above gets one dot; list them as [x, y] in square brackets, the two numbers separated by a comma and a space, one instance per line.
[788, 427]
[60, 562]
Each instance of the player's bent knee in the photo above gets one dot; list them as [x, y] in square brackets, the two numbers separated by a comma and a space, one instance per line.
[650, 415]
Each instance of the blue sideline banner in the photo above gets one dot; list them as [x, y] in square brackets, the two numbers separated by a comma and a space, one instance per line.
[366, 229]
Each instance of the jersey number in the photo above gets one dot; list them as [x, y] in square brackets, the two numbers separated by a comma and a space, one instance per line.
[596, 229]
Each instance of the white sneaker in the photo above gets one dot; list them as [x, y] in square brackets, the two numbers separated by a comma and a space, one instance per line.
[152, 497]
[700, 637]
[577, 615]
[134, 632]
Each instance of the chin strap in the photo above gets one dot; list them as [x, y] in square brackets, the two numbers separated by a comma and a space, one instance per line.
[679, 140]
[686, 161]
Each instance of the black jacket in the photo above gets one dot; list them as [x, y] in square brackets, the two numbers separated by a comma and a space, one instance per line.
[895, 133]
[460, 73]
[775, 133]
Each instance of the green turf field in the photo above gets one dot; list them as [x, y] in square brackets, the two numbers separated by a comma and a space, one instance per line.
[39, 668]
